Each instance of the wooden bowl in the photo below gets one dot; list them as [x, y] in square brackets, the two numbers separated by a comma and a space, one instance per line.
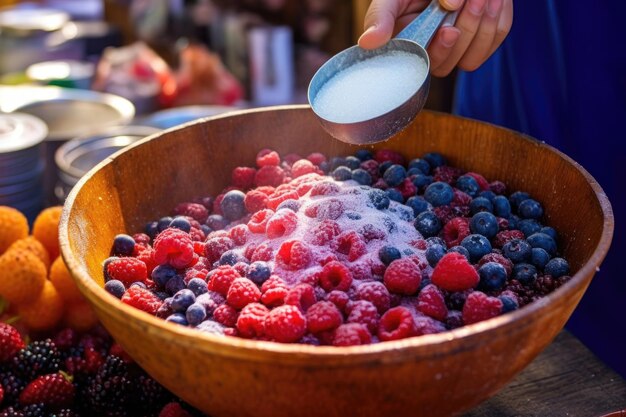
[430, 375]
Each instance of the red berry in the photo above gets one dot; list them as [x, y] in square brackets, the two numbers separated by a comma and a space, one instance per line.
[403, 276]
[428, 325]
[146, 255]
[175, 247]
[351, 334]
[363, 312]
[216, 246]
[361, 271]
[479, 307]
[350, 244]
[482, 182]
[238, 234]
[128, 270]
[269, 175]
[141, 239]
[338, 298]
[226, 315]
[281, 195]
[243, 177]
[222, 278]
[251, 320]
[323, 232]
[454, 273]
[498, 187]
[430, 301]
[371, 232]
[506, 235]
[461, 199]
[291, 158]
[174, 409]
[335, 276]
[10, 342]
[496, 257]
[294, 255]
[194, 210]
[455, 231]
[447, 173]
[397, 323]
[53, 390]
[316, 158]
[258, 221]
[142, 299]
[323, 316]
[371, 166]
[285, 324]
[267, 157]
[324, 188]
[301, 296]
[262, 253]
[274, 291]
[407, 188]
[255, 201]
[376, 293]
[242, 292]
[303, 167]
[282, 223]
[383, 155]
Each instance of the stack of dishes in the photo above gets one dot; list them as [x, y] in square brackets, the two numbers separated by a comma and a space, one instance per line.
[22, 162]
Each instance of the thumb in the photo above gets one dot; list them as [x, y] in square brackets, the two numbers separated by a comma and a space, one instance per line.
[379, 23]
[451, 5]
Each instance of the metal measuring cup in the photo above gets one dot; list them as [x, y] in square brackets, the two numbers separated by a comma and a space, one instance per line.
[412, 39]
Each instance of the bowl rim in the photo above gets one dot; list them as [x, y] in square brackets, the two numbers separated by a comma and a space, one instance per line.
[285, 353]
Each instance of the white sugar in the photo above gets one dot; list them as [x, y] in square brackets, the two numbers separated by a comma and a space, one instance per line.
[371, 88]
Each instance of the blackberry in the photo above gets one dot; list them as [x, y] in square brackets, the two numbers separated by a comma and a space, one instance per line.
[66, 412]
[111, 389]
[544, 284]
[524, 294]
[38, 358]
[150, 396]
[35, 410]
[12, 386]
[11, 412]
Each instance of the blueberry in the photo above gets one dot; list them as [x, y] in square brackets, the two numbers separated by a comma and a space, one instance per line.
[439, 194]
[524, 273]
[517, 197]
[325, 167]
[259, 272]
[183, 299]
[501, 207]
[175, 284]
[394, 175]
[428, 224]
[230, 257]
[513, 222]
[379, 199]
[138, 284]
[291, 204]
[336, 162]
[488, 194]
[162, 274]
[480, 204]
[436, 240]
[509, 303]
[205, 229]
[477, 246]
[364, 155]
[418, 204]
[484, 223]
[517, 250]
[197, 286]
[181, 223]
[353, 215]
[412, 172]
[543, 241]
[387, 254]
[492, 276]
[362, 176]
[164, 223]
[195, 314]
[460, 249]
[152, 229]
[178, 318]
[422, 181]
[123, 245]
[382, 167]
[530, 209]
[162, 295]
[352, 162]
[549, 231]
[420, 164]
[394, 195]
[232, 205]
[403, 212]
[529, 226]
[434, 253]
[434, 159]
[342, 173]
[216, 222]
[105, 264]
[468, 185]
[557, 267]
[539, 257]
[115, 288]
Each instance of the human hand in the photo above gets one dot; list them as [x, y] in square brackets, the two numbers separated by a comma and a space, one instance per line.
[480, 28]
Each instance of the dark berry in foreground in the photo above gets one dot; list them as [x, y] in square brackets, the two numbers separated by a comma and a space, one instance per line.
[539, 257]
[460, 249]
[529, 226]
[501, 207]
[428, 224]
[394, 175]
[388, 254]
[524, 273]
[543, 241]
[123, 245]
[492, 276]
[232, 205]
[530, 209]
[480, 204]
[484, 223]
[477, 246]
[420, 164]
[182, 300]
[434, 159]
[115, 288]
[418, 204]
[517, 250]
[439, 194]
[197, 286]
[517, 197]
[362, 176]
[39, 358]
[557, 267]
[468, 185]
[434, 253]
[259, 272]
[162, 274]
[181, 223]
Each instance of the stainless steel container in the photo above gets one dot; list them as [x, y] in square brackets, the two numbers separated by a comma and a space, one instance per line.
[165, 119]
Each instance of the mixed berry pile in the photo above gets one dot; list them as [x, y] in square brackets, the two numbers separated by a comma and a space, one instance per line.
[343, 251]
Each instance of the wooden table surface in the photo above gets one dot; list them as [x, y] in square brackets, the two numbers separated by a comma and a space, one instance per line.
[565, 380]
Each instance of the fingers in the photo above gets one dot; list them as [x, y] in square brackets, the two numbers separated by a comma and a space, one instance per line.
[451, 5]
[380, 20]
[480, 48]
[441, 47]
[504, 25]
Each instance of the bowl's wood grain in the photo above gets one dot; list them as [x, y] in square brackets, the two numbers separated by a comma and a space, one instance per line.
[429, 375]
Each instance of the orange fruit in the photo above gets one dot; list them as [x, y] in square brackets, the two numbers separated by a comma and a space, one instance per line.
[80, 316]
[13, 226]
[46, 230]
[63, 281]
[32, 245]
[44, 312]
[22, 276]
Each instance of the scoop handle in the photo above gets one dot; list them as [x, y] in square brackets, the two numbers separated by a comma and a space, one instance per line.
[423, 27]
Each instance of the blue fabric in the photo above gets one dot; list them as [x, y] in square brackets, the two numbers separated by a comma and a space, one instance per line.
[560, 76]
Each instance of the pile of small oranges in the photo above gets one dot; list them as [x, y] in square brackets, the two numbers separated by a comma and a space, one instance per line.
[34, 280]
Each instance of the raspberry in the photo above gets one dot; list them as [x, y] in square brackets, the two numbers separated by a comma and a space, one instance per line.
[371, 232]
[323, 232]
[460, 199]
[324, 188]
[282, 223]
[482, 182]
[255, 201]
[174, 247]
[32, 245]
[269, 175]
[301, 296]
[242, 292]
[361, 271]
[274, 291]
[403, 277]
[194, 210]
[303, 167]
[127, 270]
[46, 230]
[351, 334]
[376, 293]
[281, 195]
[146, 255]
[327, 209]
[226, 315]
[479, 307]
[44, 312]
[350, 244]
[455, 231]
[142, 299]
[10, 342]
[216, 246]
[262, 252]
[243, 177]
[363, 312]
[22, 276]
[407, 188]
[174, 409]
[294, 255]
[454, 273]
[323, 316]
[503, 224]
[498, 187]
[394, 157]
[53, 390]
[267, 157]
[496, 257]
[222, 278]
[338, 298]
[380, 184]
[505, 236]
[371, 167]
[238, 234]
[397, 323]
[428, 325]
[285, 324]
[251, 320]
[335, 276]
[430, 301]
[217, 204]
[444, 213]
[258, 221]
[316, 158]
[447, 174]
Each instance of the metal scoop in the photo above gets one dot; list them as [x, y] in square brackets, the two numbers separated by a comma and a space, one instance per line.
[413, 39]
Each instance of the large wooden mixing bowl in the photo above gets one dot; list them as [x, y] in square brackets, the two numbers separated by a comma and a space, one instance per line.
[430, 375]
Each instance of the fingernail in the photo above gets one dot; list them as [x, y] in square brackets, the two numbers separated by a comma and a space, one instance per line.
[493, 8]
[452, 4]
[450, 36]
[477, 6]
